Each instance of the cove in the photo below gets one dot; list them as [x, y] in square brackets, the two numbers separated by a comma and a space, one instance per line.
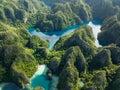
[40, 79]
[53, 37]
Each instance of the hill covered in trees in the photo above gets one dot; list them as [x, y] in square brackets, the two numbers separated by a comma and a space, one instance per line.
[75, 58]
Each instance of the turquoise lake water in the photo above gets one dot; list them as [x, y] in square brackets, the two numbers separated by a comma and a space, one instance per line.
[53, 37]
[39, 78]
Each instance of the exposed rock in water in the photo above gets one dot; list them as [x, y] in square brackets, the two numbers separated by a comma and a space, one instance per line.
[49, 75]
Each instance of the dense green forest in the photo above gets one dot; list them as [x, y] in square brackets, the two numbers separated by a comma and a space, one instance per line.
[74, 57]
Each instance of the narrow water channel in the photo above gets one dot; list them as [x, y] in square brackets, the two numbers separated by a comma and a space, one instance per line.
[53, 37]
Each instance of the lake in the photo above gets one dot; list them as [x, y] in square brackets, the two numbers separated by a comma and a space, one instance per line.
[53, 37]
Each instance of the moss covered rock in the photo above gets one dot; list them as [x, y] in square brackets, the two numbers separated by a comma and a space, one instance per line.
[115, 53]
[102, 59]
[115, 85]
[75, 57]
[69, 79]
[82, 37]
[35, 42]
[54, 64]
[110, 29]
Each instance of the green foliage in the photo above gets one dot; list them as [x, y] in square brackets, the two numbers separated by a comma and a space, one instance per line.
[4, 27]
[54, 64]
[41, 54]
[2, 16]
[82, 10]
[8, 38]
[45, 26]
[26, 66]
[18, 63]
[44, 56]
[101, 59]
[38, 88]
[96, 81]
[72, 54]
[19, 14]
[102, 6]
[115, 53]
[110, 29]
[75, 57]
[2, 73]
[63, 15]
[9, 54]
[115, 85]
[100, 80]
[9, 13]
[35, 42]
[82, 37]
[24, 36]
[18, 11]
[69, 78]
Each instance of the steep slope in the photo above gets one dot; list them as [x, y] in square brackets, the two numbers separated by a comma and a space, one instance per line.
[103, 8]
[82, 37]
[62, 15]
[110, 29]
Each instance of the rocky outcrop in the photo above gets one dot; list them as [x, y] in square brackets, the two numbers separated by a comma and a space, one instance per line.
[102, 59]
[82, 37]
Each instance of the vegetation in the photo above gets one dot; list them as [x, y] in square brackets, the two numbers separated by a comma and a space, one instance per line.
[69, 78]
[102, 59]
[108, 7]
[110, 29]
[61, 16]
[82, 37]
[75, 58]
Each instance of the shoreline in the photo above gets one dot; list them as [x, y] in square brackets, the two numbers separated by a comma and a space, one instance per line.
[40, 74]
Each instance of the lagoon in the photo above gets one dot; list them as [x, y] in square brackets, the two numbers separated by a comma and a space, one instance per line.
[40, 79]
[53, 37]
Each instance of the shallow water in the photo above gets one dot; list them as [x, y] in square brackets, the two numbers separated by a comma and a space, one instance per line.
[48, 5]
[39, 78]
